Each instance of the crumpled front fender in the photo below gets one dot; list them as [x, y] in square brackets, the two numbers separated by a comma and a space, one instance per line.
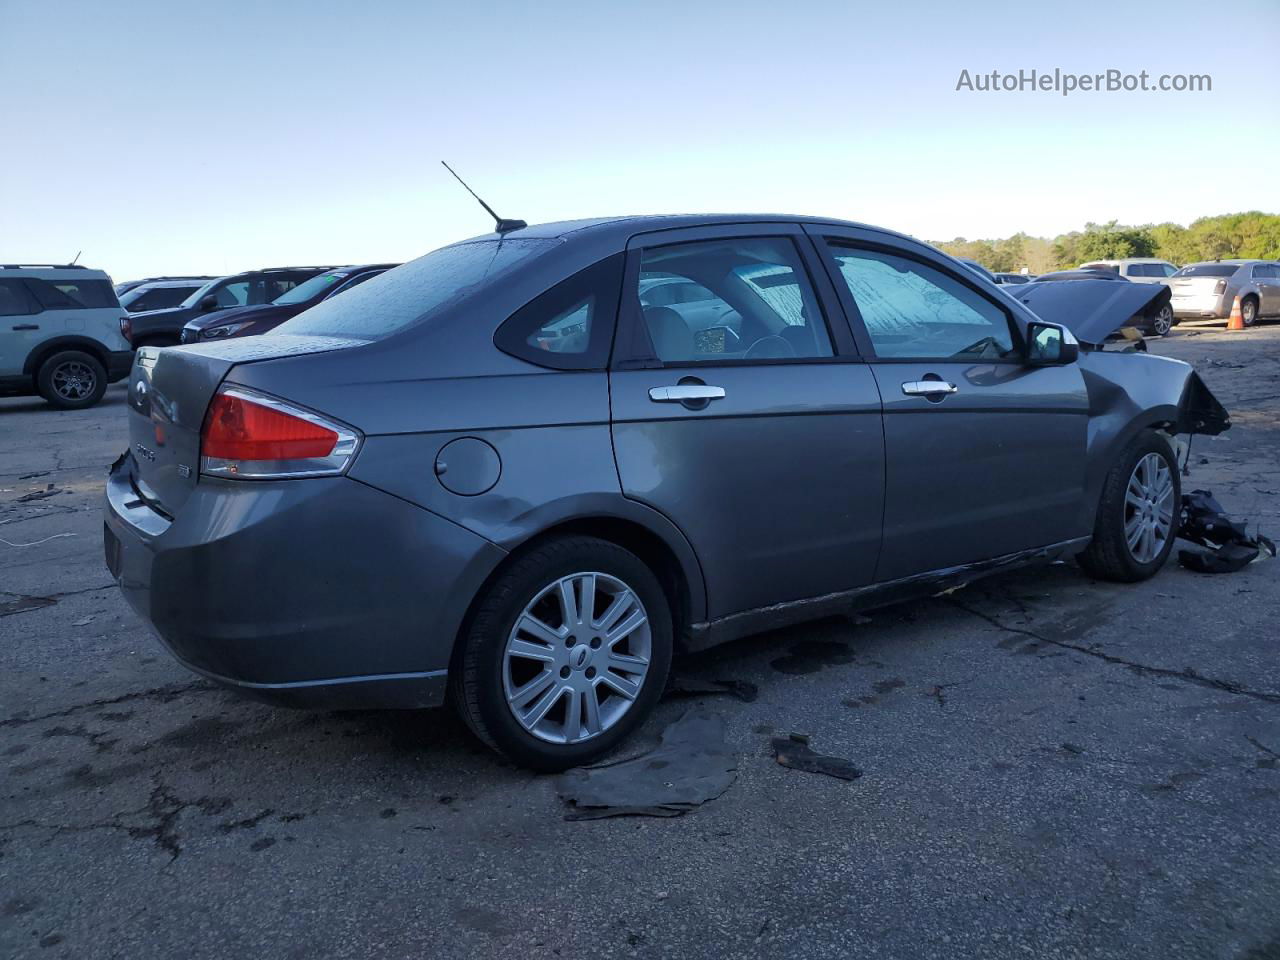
[1133, 391]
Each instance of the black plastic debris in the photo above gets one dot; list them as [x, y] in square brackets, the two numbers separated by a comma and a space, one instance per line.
[794, 752]
[1229, 546]
[691, 765]
[685, 686]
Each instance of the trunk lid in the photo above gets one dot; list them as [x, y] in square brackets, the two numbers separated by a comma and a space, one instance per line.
[169, 391]
[1194, 286]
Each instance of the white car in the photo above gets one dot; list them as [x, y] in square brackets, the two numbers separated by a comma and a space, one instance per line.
[61, 334]
[1137, 269]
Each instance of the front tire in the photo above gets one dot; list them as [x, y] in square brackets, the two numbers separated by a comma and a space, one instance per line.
[1137, 518]
[72, 380]
[566, 654]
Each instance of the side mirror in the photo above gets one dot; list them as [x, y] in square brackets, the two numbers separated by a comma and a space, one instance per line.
[1049, 345]
[208, 304]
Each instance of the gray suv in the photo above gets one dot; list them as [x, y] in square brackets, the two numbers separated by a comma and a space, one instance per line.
[60, 334]
[521, 471]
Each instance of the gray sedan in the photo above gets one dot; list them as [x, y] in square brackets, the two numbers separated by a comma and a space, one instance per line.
[1209, 290]
[514, 475]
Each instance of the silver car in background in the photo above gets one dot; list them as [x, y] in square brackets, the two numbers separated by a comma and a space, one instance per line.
[1208, 290]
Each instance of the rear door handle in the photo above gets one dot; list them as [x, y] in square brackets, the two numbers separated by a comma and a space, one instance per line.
[27, 326]
[684, 392]
[927, 388]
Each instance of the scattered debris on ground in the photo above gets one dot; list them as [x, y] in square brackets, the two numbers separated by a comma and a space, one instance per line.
[48, 491]
[691, 765]
[1230, 548]
[794, 751]
[686, 686]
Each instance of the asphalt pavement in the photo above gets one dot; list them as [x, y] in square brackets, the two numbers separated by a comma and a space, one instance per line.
[1052, 767]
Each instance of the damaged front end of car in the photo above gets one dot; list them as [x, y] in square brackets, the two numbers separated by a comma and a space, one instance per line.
[1130, 390]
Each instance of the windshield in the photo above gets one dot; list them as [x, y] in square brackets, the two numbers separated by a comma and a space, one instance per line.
[312, 288]
[398, 298]
[1208, 270]
[155, 298]
[196, 297]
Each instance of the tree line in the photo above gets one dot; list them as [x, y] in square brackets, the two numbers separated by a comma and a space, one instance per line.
[1251, 235]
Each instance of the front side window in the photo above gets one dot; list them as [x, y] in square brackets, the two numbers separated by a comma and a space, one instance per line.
[914, 311]
[743, 299]
[233, 294]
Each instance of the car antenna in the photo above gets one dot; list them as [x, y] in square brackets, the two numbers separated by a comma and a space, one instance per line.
[73, 262]
[501, 225]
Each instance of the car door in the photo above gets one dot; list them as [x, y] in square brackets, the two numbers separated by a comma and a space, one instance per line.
[984, 455]
[759, 436]
[19, 326]
[1267, 277]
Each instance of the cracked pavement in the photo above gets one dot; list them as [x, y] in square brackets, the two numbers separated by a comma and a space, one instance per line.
[1050, 766]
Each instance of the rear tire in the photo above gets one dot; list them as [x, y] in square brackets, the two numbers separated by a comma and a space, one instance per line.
[1126, 512]
[72, 380]
[1162, 323]
[569, 667]
[1249, 311]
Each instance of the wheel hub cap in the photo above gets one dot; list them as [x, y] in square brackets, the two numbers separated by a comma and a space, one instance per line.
[1148, 509]
[577, 657]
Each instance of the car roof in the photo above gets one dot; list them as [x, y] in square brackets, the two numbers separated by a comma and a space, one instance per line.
[51, 271]
[622, 228]
[189, 282]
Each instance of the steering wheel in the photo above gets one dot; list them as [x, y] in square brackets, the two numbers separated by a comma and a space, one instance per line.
[772, 347]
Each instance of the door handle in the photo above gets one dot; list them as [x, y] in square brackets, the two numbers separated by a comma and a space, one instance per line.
[928, 388]
[684, 392]
[27, 326]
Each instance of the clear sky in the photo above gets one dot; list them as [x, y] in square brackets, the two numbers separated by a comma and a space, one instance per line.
[168, 136]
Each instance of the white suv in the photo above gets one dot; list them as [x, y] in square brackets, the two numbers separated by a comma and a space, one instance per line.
[60, 334]
[1137, 269]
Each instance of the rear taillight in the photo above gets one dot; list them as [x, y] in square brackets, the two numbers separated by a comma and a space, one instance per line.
[1220, 287]
[251, 436]
[126, 328]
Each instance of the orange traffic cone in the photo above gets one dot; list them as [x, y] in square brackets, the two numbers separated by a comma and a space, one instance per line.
[1236, 321]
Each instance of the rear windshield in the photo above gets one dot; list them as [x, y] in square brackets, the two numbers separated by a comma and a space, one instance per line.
[312, 288]
[401, 297]
[1208, 270]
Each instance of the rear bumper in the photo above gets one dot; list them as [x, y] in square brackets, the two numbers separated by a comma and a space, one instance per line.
[1209, 307]
[321, 592]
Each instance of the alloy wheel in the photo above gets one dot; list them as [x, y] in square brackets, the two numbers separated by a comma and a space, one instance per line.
[1163, 321]
[73, 380]
[1148, 508]
[576, 659]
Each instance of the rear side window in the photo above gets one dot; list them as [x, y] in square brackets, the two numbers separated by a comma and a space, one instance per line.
[14, 301]
[740, 299]
[72, 294]
[570, 327]
[408, 294]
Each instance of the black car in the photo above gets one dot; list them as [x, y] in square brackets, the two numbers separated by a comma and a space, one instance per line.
[163, 328]
[252, 320]
[127, 285]
[1158, 316]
